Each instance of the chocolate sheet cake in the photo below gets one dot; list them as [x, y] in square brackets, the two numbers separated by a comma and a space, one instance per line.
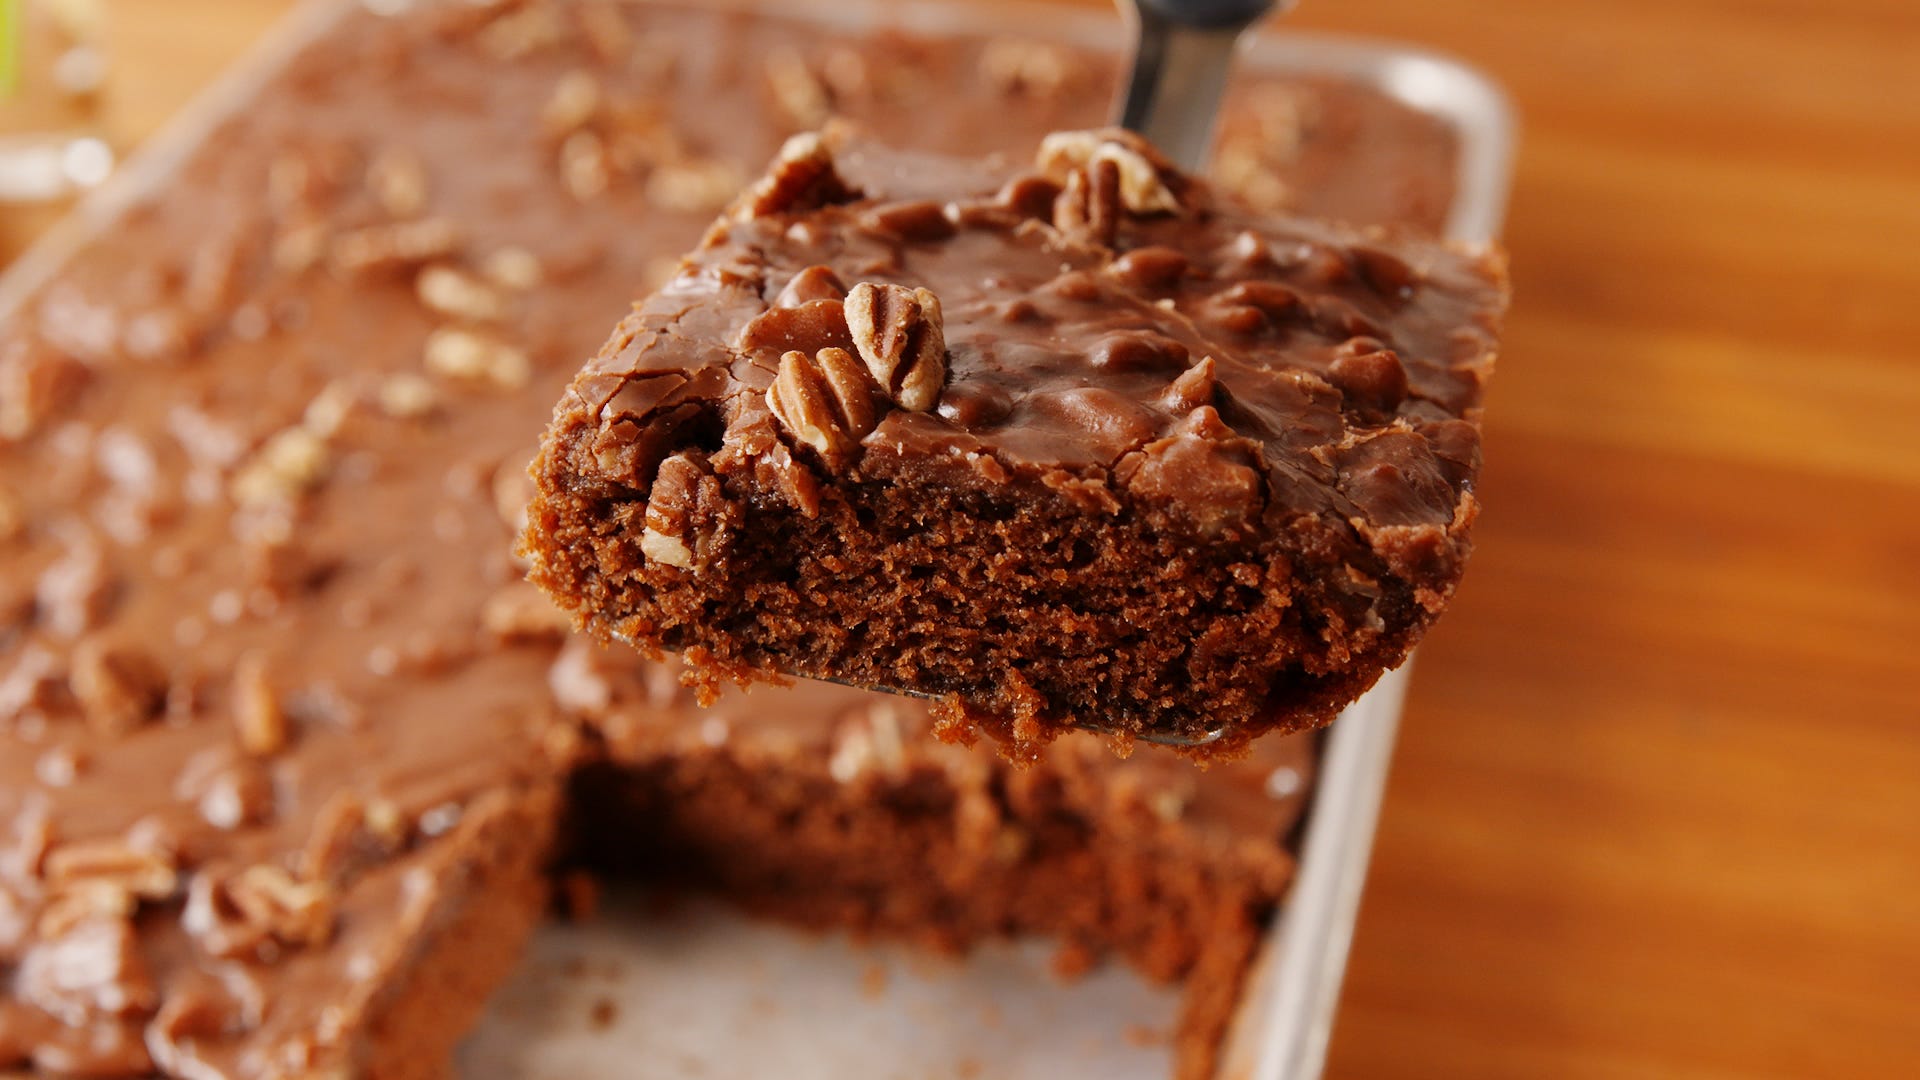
[288, 748]
[1081, 443]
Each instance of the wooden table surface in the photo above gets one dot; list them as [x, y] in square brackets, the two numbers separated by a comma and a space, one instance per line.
[1656, 808]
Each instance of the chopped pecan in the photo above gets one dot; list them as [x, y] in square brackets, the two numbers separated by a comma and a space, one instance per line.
[259, 721]
[806, 327]
[382, 248]
[286, 466]
[686, 512]
[118, 688]
[465, 354]
[350, 832]
[665, 548]
[82, 903]
[514, 268]
[803, 177]
[901, 336]
[291, 911]
[229, 789]
[1089, 203]
[1142, 176]
[1195, 387]
[813, 283]
[694, 187]
[1369, 376]
[35, 682]
[797, 90]
[457, 294]
[825, 401]
[585, 168]
[145, 871]
[406, 396]
[573, 103]
[330, 409]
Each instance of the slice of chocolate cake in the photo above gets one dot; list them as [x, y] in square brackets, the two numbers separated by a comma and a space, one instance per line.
[1084, 443]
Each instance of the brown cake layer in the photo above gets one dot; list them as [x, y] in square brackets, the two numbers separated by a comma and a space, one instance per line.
[285, 742]
[1082, 443]
[833, 808]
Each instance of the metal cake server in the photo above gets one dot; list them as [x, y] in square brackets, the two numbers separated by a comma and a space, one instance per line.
[1183, 51]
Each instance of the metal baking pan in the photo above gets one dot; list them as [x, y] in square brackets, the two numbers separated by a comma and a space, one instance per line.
[590, 1000]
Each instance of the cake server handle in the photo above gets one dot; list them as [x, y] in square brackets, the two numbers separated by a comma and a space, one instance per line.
[1183, 50]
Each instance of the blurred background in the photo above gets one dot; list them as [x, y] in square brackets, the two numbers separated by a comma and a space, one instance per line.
[1656, 806]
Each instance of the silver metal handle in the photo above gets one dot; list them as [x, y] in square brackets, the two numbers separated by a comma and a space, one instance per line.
[1182, 53]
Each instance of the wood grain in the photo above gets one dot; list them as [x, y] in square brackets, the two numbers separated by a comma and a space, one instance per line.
[1656, 810]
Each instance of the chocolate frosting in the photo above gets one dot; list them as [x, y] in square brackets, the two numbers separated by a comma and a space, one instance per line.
[1157, 353]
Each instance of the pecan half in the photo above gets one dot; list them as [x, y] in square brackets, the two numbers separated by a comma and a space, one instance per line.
[803, 177]
[119, 688]
[1143, 180]
[825, 401]
[688, 516]
[902, 338]
[275, 903]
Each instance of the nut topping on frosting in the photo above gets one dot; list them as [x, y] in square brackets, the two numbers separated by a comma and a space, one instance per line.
[1143, 187]
[258, 719]
[290, 911]
[803, 177]
[901, 335]
[826, 402]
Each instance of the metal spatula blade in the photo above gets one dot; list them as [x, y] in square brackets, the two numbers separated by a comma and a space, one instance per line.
[1183, 51]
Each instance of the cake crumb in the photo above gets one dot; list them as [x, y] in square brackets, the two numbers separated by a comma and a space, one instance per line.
[1144, 1037]
[1073, 960]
